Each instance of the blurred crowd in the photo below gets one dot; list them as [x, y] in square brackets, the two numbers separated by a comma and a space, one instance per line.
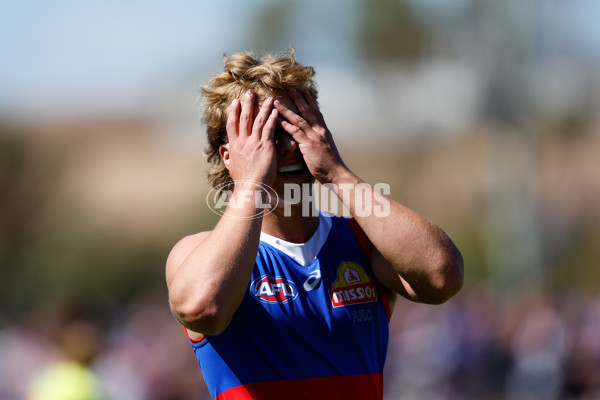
[487, 345]
[480, 345]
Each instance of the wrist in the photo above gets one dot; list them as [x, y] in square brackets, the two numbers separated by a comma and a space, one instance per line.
[343, 176]
[246, 185]
[247, 200]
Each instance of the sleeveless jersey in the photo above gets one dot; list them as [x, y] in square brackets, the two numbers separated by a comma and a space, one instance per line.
[306, 329]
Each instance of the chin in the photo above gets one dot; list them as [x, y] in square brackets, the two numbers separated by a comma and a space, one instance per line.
[298, 180]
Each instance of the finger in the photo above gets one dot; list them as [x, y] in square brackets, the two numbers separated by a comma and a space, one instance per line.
[312, 103]
[298, 134]
[268, 132]
[291, 116]
[303, 107]
[247, 114]
[262, 117]
[233, 120]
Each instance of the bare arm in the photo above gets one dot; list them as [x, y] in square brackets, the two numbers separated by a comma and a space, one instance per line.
[207, 273]
[413, 257]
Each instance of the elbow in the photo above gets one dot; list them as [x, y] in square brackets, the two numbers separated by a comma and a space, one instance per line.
[447, 277]
[199, 315]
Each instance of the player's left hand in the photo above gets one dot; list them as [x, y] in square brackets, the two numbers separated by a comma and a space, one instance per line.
[312, 136]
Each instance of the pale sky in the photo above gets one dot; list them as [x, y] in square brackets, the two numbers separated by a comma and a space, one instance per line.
[70, 50]
[83, 54]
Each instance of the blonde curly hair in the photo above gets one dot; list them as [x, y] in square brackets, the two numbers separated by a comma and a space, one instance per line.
[266, 74]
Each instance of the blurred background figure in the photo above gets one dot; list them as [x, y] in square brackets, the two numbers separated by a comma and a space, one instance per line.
[488, 109]
[78, 333]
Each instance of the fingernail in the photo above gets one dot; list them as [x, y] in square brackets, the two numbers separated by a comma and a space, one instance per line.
[234, 102]
[249, 93]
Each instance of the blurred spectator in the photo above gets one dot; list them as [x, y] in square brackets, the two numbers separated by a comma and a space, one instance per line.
[480, 346]
[147, 356]
[78, 333]
[23, 349]
[582, 371]
[539, 347]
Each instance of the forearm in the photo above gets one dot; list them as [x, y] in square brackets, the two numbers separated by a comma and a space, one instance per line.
[418, 259]
[210, 281]
[413, 256]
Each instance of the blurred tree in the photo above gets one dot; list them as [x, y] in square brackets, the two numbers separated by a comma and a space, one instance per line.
[272, 26]
[26, 181]
[74, 259]
[12, 204]
[389, 31]
[389, 38]
[49, 248]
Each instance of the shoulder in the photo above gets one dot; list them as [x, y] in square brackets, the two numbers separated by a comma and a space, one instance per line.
[181, 250]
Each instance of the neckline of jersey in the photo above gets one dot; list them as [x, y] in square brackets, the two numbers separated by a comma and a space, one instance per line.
[303, 253]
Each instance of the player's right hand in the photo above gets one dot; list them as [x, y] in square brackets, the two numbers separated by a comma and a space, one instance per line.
[251, 147]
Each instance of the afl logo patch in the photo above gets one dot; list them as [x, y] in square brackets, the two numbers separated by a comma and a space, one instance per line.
[273, 289]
